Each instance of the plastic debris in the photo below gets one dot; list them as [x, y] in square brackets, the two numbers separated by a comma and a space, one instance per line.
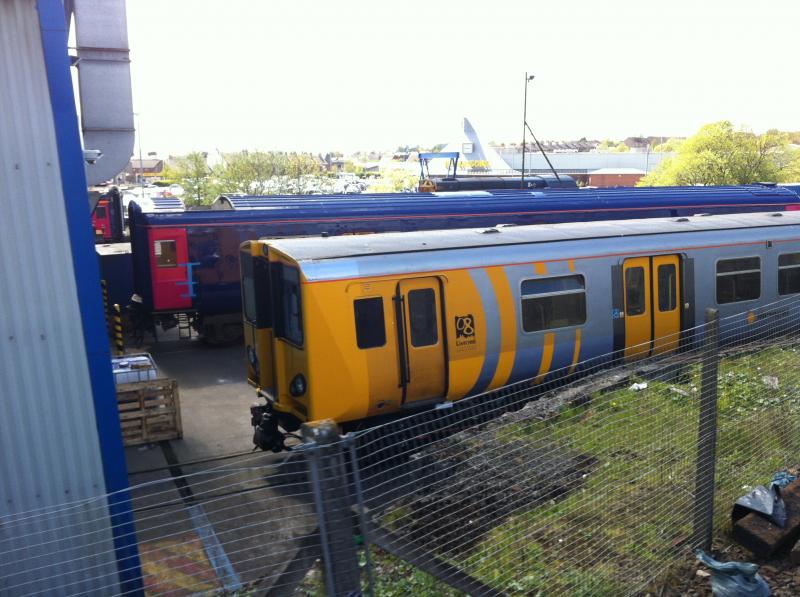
[734, 579]
[783, 478]
[767, 502]
[770, 381]
[638, 386]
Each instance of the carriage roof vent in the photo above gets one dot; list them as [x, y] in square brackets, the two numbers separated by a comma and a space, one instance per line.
[702, 215]
[777, 214]
[490, 231]
[681, 219]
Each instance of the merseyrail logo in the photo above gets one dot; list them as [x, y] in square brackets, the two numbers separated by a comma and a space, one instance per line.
[465, 330]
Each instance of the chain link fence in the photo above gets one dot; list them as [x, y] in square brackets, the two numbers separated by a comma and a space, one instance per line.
[596, 481]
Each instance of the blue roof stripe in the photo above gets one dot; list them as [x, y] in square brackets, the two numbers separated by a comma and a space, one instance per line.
[366, 206]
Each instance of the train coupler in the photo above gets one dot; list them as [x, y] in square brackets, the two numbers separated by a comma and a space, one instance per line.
[266, 435]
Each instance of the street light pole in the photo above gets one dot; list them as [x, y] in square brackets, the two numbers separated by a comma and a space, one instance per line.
[524, 128]
[141, 165]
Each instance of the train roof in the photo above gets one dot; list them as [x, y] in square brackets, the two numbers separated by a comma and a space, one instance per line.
[336, 207]
[154, 205]
[307, 249]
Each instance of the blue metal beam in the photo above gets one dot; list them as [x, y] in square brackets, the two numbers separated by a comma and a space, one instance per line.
[87, 278]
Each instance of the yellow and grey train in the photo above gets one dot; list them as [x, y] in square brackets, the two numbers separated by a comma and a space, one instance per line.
[354, 327]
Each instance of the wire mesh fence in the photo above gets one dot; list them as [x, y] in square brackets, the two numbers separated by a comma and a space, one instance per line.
[591, 481]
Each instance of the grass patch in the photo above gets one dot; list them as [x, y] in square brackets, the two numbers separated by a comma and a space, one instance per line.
[629, 518]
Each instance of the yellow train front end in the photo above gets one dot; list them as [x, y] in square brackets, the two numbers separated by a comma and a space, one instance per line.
[346, 350]
[275, 344]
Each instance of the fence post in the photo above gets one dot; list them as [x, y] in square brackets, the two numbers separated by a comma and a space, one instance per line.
[324, 452]
[707, 434]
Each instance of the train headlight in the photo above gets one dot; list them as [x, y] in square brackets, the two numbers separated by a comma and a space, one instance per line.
[298, 386]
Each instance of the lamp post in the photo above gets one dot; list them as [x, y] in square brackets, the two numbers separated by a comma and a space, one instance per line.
[524, 127]
[141, 165]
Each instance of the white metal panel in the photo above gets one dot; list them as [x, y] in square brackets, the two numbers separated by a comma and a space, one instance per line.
[587, 160]
[49, 447]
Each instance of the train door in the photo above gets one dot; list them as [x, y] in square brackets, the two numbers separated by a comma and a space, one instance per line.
[168, 268]
[421, 339]
[652, 305]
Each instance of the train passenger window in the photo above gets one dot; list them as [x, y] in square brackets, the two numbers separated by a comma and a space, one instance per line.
[667, 287]
[370, 326]
[290, 313]
[634, 291]
[738, 279]
[166, 253]
[789, 273]
[422, 317]
[549, 303]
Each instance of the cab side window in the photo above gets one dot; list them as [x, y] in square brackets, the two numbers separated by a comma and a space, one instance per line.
[290, 314]
[370, 325]
[166, 253]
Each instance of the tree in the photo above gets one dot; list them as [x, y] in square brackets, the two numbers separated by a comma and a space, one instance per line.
[250, 172]
[671, 145]
[351, 166]
[720, 155]
[621, 148]
[193, 174]
[395, 180]
[301, 164]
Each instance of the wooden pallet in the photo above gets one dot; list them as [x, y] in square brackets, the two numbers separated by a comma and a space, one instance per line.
[149, 411]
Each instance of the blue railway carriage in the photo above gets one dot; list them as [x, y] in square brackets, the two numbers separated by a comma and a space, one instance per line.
[352, 328]
[187, 263]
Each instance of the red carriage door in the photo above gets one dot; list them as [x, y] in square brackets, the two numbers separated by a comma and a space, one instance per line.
[169, 256]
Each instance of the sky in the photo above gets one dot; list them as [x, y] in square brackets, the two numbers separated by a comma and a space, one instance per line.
[302, 75]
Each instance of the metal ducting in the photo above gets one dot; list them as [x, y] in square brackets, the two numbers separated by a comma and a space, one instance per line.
[104, 79]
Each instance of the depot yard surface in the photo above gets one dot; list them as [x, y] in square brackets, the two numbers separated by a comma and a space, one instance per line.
[215, 397]
[208, 530]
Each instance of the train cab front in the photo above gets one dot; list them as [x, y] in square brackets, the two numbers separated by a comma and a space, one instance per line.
[274, 342]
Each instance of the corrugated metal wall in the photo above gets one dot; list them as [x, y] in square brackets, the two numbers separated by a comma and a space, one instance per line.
[49, 447]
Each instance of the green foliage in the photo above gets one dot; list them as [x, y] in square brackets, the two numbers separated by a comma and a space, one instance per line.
[669, 146]
[396, 578]
[251, 172]
[394, 180]
[297, 165]
[357, 169]
[393, 578]
[606, 145]
[621, 148]
[193, 174]
[721, 155]
[248, 171]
